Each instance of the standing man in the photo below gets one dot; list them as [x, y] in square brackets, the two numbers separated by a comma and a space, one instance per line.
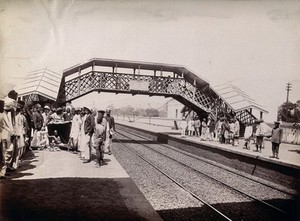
[46, 115]
[37, 118]
[75, 130]
[183, 126]
[68, 115]
[212, 128]
[236, 134]
[259, 135]
[8, 135]
[247, 135]
[110, 130]
[218, 129]
[197, 126]
[89, 125]
[100, 136]
[203, 129]
[38, 122]
[19, 128]
[276, 139]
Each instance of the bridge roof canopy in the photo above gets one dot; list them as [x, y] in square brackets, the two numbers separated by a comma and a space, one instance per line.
[237, 99]
[42, 82]
[179, 70]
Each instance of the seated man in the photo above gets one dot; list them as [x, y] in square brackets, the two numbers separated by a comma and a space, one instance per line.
[42, 141]
[56, 142]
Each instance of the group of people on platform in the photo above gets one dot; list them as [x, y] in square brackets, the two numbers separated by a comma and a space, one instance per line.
[227, 131]
[223, 130]
[13, 128]
[25, 126]
[92, 128]
[259, 131]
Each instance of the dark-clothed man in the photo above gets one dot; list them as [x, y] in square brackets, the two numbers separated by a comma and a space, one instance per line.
[276, 138]
[37, 118]
[110, 130]
[89, 125]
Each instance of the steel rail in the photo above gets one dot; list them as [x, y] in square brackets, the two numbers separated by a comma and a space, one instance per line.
[176, 182]
[211, 163]
[212, 178]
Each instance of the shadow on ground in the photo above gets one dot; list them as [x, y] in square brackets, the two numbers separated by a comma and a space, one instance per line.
[235, 211]
[296, 151]
[64, 199]
[101, 199]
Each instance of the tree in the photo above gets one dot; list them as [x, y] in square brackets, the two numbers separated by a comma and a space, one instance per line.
[289, 112]
[128, 110]
[152, 112]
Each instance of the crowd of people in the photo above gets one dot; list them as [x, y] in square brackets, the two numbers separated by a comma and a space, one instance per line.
[223, 130]
[25, 126]
[227, 131]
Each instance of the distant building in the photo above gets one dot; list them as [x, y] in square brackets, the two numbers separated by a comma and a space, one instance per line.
[173, 109]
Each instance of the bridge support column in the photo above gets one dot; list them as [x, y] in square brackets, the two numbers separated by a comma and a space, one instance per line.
[261, 115]
[79, 82]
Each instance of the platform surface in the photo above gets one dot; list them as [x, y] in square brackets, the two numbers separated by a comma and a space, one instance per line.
[58, 186]
[288, 153]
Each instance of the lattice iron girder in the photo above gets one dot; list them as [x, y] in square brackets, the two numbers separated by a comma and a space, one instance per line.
[245, 116]
[109, 81]
[121, 82]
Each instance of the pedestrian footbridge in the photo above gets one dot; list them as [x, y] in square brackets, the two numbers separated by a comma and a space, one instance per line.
[145, 78]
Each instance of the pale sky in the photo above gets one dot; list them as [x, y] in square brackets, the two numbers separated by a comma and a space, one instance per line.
[254, 44]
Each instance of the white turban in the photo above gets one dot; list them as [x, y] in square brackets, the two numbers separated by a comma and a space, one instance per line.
[9, 103]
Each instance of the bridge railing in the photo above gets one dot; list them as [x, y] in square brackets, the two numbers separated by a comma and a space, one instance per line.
[144, 84]
[121, 82]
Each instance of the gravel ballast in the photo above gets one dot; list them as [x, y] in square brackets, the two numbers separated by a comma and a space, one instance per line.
[211, 191]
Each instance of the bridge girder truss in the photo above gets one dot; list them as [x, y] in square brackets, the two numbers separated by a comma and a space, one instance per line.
[184, 86]
[121, 83]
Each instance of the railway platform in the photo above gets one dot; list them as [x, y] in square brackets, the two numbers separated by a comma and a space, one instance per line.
[58, 186]
[284, 171]
[289, 154]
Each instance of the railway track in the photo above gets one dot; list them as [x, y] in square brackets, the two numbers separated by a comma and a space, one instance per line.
[290, 192]
[157, 148]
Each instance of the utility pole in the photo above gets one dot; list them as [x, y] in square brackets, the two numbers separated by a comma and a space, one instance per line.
[288, 89]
